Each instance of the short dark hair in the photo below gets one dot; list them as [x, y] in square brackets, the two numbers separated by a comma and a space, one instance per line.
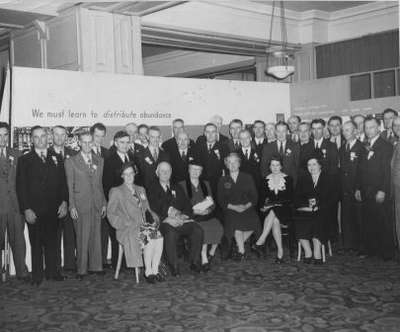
[335, 118]
[317, 156]
[318, 121]
[259, 121]
[36, 128]
[356, 115]
[275, 157]
[5, 125]
[236, 121]
[98, 126]
[208, 124]
[155, 128]
[125, 166]
[390, 110]
[59, 126]
[296, 116]
[143, 126]
[304, 123]
[84, 133]
[120, 134]
[372, 118]
[282, 123]
[178, 120]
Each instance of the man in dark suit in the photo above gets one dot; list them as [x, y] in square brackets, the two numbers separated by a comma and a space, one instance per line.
[306, 146]
[335, 131]
[211, 154]
[288, 150]
[373, 190]
[359, 119]
[181, 156]
[217, 121]
[112, 178]
[388, 116]
[395, 179]
[10, 216]
[293, 123]
[174, 209]
[149, 158]
[132, 130]
[350, 155]
[98, 131]
[42, 196]
[330, 164]
[233, 143]
[66, 230]
[259, 139]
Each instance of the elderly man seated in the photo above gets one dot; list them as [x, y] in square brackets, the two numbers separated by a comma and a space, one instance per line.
[174, 209]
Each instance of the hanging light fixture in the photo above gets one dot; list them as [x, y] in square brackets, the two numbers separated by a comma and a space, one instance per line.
[278, 58]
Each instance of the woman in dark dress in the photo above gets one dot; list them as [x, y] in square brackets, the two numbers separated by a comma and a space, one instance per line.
[237, 196]
[312, 209]
[277, 191]
[199, 191]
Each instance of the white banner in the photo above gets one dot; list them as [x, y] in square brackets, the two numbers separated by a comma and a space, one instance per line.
[49, 97]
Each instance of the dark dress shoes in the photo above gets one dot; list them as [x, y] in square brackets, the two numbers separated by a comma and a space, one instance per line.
[159, 277]
[307, 260]
[239, 257]
[195, 267]
[318, 261]
[36, 283]
[151, 278]
[80, 277]
[279, 260]
[257, 249]
[205, 267]
[175, 271]
[107, 266]
[59, 277]
[26, 278]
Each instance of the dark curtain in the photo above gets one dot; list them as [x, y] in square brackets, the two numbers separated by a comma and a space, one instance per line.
[368, 53]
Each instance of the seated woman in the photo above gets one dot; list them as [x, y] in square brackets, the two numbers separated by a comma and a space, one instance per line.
[128, 212]
[237, 196]
[312, 206]
[277, 192]
[199, 191]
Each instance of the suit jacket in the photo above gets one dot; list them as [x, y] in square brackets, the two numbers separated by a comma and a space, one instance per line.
[329, 157]
[84, 184]
[105, 153]
[212, 162]
[230, 146]
[306, 190]
[306, 151]
[374, 173]
[179, 165]
[160, 201]
[342, 142]
[349, 166]
[395, 166]
[290, 159]
[68, 153]
[391, 140]
[259, 147]
[41, 186]
[147, 165]
[202, 139]
[252, 166]
[111, 173]
[8, 171]
[132, 152]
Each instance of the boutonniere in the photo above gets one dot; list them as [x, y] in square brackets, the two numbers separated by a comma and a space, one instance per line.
[67, 156]
[228, 185]
[324, 152]
[353, 156]
[173, 193]
[288, 152]
[94, 166]
[143, 196]
[216, 151]
[11, 159]
[256, 158]
[148, 160]
[55, 160]
[190, 158]
[370, 154]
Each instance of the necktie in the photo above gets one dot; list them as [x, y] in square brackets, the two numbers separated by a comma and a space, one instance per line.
[42, 156]
[347, 147]
[316, 146]
[390, 136]
[98, 151]
[236, 145]
[155, 154]
[169, 192]
[126, 159]
[209, 148]
[247, 154]
[183, 155]
[89, 161]
[280, 148]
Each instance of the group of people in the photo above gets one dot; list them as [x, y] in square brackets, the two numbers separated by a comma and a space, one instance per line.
[334, 181]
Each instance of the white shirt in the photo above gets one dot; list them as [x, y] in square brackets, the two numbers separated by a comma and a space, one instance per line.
[373, 140]
[210, 146]
[40, 151]
[246, 151]
[123, 156]
[59, 150]
[183, 151]
[319, 142]
[97, 150]
[315, 179]
[337, 141]
[351, 144]
[283, 144]
[259, 140]
[87, 157]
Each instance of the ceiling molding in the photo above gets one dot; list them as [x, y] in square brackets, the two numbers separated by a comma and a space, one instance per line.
[205, 41]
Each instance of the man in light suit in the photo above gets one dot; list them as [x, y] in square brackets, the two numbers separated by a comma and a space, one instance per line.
[395, 178]
[288, 150]
[10, 216]
[87, 204]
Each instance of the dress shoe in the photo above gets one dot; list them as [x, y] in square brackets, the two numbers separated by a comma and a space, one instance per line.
[175, 271]
[210, 258]
[36, 283]
[151, 278]
[205, 267]
[159, 277]
[107, 266]
[239, 257]
[59, 277]
[98, 273]
[80, 277]
[279, 260]
[258, 249]
[26, 278]
[307, 260]
[195, 267]
[317, 261]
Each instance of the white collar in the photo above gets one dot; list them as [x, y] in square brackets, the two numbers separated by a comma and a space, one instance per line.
[122, 156]
[40, 151]
[259, 140]
[351, 144]
[372, 142]
[319, 142]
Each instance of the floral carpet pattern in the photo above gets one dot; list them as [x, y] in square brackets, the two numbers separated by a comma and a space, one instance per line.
[346, 294]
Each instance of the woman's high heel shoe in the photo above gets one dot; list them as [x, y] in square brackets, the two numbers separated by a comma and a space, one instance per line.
[279, 260]
[258, 249]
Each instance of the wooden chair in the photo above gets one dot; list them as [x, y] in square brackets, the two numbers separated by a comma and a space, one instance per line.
[299, 252]
[119, 262]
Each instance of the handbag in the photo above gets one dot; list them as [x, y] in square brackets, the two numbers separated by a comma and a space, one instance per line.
[149, 217]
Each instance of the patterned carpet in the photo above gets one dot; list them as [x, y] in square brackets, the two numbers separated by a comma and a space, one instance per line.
[346, 294]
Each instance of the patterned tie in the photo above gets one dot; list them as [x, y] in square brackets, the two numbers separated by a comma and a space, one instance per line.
[43, 157]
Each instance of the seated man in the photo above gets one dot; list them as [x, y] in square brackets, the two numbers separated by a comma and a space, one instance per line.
[174, 209]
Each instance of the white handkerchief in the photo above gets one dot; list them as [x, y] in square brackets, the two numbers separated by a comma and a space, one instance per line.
[204, 204]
